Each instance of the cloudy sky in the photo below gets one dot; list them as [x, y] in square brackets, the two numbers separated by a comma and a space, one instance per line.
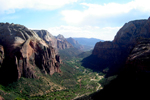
[75, 18]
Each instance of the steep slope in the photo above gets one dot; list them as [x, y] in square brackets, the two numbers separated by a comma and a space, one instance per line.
[47, 37]
[133, 82]
[139, 58]
[58, 42]
[69, 53]
[62, 43]
[26, 54]
[114, 54]
[75, 43]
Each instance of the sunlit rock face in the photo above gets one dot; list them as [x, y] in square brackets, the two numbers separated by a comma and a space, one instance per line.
[62, 43]
[58, 42]
[75, 43]
[47, 37]
[24, 51]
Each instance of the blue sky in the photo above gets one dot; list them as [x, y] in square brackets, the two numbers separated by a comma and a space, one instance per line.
[74, 18]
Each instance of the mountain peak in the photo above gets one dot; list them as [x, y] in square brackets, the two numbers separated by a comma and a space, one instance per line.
[72, 41]
[60, 36]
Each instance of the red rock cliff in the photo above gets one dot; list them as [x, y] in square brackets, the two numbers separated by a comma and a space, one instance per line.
[25, 53]
[62, 43]
[59, 42]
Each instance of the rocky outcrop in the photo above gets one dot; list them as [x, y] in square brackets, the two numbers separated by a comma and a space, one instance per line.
[25, 53]
[104, 56]
[103, 46]
[1, 55]
[114, 54]
[75, 43]
[47, 37]
[62, 43]
[131, 31]
[58, 42]
[72, 41]
[139, 58]
[1, 98]
[133, 81]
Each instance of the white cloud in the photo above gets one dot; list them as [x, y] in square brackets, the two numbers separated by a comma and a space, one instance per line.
[73, 16]
[96, 13]
[106, 33]
[9, 6]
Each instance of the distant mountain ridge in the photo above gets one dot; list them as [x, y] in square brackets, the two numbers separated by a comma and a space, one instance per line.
[84, 44]
[75, 43]
[58, 42]
[62, 43]
[88, 41]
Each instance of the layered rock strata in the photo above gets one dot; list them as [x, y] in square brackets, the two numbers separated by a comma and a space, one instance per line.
[25, 52]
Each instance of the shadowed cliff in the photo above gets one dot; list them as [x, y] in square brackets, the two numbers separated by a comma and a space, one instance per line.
[113, 55]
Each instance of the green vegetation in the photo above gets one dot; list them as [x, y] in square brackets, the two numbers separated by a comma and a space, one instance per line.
[68, 54]
[73, 82]
[84, 54]
[106, 81]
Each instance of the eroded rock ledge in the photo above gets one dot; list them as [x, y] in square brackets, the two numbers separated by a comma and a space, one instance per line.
[24, 54]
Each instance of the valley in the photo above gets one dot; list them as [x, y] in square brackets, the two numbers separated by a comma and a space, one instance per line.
[74, 81]
[35, 65]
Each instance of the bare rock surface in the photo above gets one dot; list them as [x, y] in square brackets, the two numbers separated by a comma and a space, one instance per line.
[24, 52]
[113, 54]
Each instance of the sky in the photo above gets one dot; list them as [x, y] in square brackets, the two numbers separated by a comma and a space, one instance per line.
[100, 19]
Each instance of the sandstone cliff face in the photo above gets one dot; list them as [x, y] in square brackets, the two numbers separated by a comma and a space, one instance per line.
[133, 81]
[58, 42]
[106, 55]
[1, 55]
[75, 43]
[139, 58]
[72, 41]
[47, 37]
[62, 43]
[24, 53]
[103, 46]
[130, 32]
[114, 54]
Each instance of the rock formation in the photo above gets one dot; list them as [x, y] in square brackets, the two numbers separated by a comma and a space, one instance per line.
[72, 41]
[139, 58]
[133, 81]
[25, 53]
[58, 42]
[75, 43]
[1, 54]
[62, 43]
[113, 54]
[47, 37]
